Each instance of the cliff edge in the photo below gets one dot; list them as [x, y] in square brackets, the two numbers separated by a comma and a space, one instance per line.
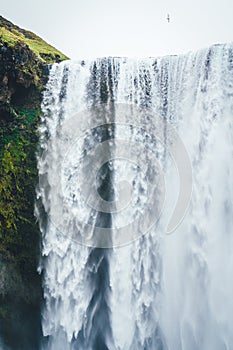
[24, 69]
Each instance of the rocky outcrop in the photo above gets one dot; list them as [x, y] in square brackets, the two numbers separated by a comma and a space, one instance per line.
[23, 75]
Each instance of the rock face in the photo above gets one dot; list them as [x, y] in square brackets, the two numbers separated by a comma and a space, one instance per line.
[24, 59]
[21, 76]
[24, 69]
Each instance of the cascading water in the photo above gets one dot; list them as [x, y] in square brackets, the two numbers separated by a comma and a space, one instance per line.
[146, 290]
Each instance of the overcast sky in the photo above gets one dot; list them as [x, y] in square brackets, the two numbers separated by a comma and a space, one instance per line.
[96, 28]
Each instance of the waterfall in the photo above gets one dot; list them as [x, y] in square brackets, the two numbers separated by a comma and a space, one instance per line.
[109, 189]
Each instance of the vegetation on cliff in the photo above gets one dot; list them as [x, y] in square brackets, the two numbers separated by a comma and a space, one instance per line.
[12, 35]
[24, 68]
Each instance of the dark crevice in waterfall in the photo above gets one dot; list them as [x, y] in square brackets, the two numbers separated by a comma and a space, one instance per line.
[97, 327]
[207, 64]
[110, 81]
[63, 91]
[92, 87]
[62, 96]
[164, 86]
[104, 82]
[206, 71]
[100, 88]
[145, 83]
[106, 192]
[96, 330]
[164, 91]
[155, 66]
[230, 59]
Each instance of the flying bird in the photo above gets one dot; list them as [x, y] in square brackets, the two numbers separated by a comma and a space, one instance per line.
[168, 18]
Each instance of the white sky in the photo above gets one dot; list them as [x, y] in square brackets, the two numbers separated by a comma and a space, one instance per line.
[96, 28]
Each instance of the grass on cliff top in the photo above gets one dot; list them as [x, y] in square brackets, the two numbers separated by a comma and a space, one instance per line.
[11, 34]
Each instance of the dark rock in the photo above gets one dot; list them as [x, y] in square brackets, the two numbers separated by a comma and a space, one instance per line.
[22, 79]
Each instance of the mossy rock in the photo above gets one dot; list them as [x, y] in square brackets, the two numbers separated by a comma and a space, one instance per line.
[11, 35]
[24, 69]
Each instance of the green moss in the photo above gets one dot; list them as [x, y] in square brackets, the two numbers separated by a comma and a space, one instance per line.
[11, 34]
[19, 234]
[24, 70]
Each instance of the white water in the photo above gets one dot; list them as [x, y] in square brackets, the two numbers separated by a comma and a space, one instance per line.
[160, 291]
